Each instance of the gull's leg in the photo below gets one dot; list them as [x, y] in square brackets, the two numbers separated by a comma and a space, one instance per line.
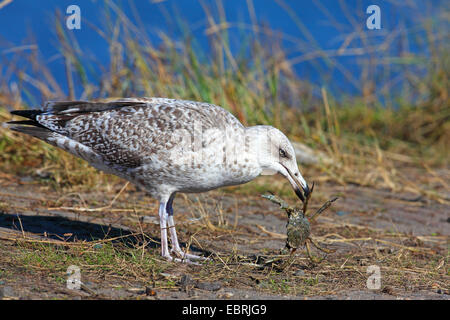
[173, 234]
[163, 225]
[163, 217]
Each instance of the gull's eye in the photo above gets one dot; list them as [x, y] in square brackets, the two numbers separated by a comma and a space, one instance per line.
[283, 153]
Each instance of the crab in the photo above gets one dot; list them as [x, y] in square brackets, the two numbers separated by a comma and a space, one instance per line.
[299, 225]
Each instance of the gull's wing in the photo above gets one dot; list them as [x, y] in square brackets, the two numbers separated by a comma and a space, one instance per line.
[121, 133]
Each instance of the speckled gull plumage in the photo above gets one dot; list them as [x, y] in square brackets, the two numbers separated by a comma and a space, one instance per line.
[165, 146]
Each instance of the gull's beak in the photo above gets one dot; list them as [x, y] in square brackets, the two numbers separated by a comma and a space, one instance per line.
[298, 184]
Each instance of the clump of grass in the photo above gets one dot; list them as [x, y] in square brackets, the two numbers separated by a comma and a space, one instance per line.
[101, 259]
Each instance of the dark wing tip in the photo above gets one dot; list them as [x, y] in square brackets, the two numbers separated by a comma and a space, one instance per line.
[27, 122]
[30, 114]
[35, 131]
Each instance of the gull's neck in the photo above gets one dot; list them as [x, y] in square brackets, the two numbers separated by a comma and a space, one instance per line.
[258, 138]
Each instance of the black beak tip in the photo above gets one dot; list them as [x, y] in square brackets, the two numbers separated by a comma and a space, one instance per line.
[306, 192]
[299, 194]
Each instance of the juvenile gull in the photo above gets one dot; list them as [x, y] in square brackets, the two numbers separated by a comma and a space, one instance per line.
[165, 146]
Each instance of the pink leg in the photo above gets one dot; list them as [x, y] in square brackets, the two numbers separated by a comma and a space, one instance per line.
[176, 246]
[166, 222]
[163, 225]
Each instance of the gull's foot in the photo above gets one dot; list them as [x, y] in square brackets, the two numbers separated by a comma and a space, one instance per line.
[183, 255]
[186, 260]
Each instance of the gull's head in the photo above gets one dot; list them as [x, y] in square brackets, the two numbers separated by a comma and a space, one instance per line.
[276, 155]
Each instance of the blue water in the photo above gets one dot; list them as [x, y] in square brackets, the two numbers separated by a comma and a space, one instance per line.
[33, 22]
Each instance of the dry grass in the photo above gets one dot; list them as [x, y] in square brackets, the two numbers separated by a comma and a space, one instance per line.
[408, 263]
[383, 146]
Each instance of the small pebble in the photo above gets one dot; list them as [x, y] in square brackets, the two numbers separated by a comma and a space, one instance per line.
[388, 290]
[299, 272]
[226, 295]
[209, 286]
[186, 281]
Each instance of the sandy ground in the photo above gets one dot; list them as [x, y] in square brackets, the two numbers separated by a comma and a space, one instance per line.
[405, 235]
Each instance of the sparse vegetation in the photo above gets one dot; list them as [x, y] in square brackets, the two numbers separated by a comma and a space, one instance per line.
[384, 140]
